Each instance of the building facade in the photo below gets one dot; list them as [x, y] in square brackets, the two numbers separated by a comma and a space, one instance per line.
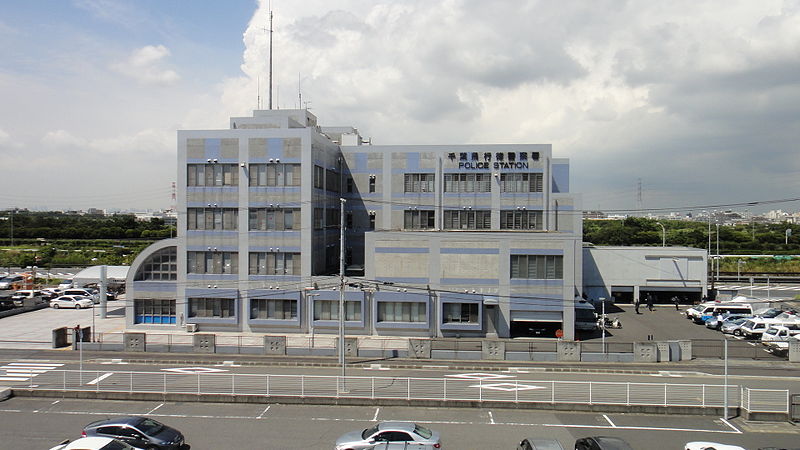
[440, 240]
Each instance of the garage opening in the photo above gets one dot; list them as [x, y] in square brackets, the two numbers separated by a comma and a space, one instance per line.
[535, 323]
[664, 296]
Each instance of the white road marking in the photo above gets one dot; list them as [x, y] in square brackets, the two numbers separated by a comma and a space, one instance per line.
[508, 387]
[56, 402]
[491, 418]
[154, 409]
[191, 370]
[264, 412]
[27, 364]
[21, 370]
[725, 421]
[14, 378]
[480, 376]
[375, 417]
[101, 378]
[609, 421]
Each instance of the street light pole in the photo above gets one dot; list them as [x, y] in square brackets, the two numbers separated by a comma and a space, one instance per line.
[726, 380]
[663, 234]
[718, 257]
[341, 293]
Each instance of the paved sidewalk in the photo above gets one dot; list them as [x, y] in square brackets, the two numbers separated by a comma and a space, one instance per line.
[35, 329]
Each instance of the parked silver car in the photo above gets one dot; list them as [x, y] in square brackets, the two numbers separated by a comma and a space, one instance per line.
[390, 436]
[733, 326]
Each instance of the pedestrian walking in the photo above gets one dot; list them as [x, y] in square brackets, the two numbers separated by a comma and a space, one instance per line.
[636, 304]
[676, 301]
[650, 302]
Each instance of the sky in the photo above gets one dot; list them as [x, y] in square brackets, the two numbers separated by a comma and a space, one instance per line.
[696, 101]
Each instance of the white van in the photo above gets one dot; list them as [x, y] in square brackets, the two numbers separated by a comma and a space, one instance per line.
[708, 310]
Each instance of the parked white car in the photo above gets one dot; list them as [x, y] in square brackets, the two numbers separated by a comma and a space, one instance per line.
[699, 445]
[83, 292]
[71, 301]
[65, 284]
[93, 443]
[755, 327]
[20, 295]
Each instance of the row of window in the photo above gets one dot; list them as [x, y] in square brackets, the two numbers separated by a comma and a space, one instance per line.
[472, 220]
[146, 310]
[474, 182]
[260, 263]
[260, 219]
[289, 175]
[537, 267]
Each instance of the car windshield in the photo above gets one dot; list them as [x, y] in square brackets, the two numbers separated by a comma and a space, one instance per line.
[422, 431]
[116, 445]
[149, 427]
[369, 432]
[737, 321]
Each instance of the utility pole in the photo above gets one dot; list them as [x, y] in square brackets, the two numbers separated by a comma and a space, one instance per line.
[270, 58]
[341, 293]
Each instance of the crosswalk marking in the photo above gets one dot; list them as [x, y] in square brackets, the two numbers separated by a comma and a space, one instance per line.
[24, 371]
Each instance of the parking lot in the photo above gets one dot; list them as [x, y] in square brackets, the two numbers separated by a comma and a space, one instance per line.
[33, 329]
[250, 426]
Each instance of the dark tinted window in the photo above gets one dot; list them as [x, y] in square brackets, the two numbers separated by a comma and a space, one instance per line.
[110, 430]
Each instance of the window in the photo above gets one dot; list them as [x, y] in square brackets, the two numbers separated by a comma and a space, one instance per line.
[348, 219]
[401, 312]
[329, 310]
[318, 213]
[269, 263]
[332, 217]
[539, 267]
[212, 175]
[371, 221]
[419, 220]
[212, 219]
[520, 182]
[371, 184]
[332, 181]
[460, 313]
[269, 219]
[160, 266]
[275, 309]
[147, 310]
[520, 220]
[278, 174]
[467, 182]
[349, 184]
[213, 262]
[319, 177]
[461, 219]
[212, 307]
[419, 182]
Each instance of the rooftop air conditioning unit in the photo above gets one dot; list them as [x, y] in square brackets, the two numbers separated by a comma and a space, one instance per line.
[191, 327]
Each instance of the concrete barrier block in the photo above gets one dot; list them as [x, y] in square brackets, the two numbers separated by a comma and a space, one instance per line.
[135, 342]
[686, 350]
[60, 336]
[204, 343]
[662, 351]
[645, 352]
[419, 348]
[5, 393]
[275, 345]
[794, 351]
[569, 350]
[493, 350]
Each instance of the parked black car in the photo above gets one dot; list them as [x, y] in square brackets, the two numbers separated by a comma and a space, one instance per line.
[602, 443]
[140, 432]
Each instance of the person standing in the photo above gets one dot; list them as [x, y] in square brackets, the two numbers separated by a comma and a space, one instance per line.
[650, 301]
[636, 304]
[676, 301]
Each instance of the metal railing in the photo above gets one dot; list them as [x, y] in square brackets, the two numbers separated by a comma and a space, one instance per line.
[765, 400]
[483, 389]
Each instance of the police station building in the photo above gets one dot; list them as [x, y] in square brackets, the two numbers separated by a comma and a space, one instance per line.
[440, 240]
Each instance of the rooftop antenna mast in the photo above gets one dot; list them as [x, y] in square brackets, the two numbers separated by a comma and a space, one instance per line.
[270, 55]
[258, 92]
[299, 93]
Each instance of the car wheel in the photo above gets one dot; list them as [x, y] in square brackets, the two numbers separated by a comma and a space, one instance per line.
[78, 306]
[55, 306]
[737, 332]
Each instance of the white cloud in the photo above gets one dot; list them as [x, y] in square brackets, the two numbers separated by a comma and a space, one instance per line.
[62, 138]
[147, 65]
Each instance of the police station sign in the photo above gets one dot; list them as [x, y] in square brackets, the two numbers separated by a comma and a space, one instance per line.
[496, 161]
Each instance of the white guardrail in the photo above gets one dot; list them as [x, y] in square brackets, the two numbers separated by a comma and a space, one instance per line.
[478, 389]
